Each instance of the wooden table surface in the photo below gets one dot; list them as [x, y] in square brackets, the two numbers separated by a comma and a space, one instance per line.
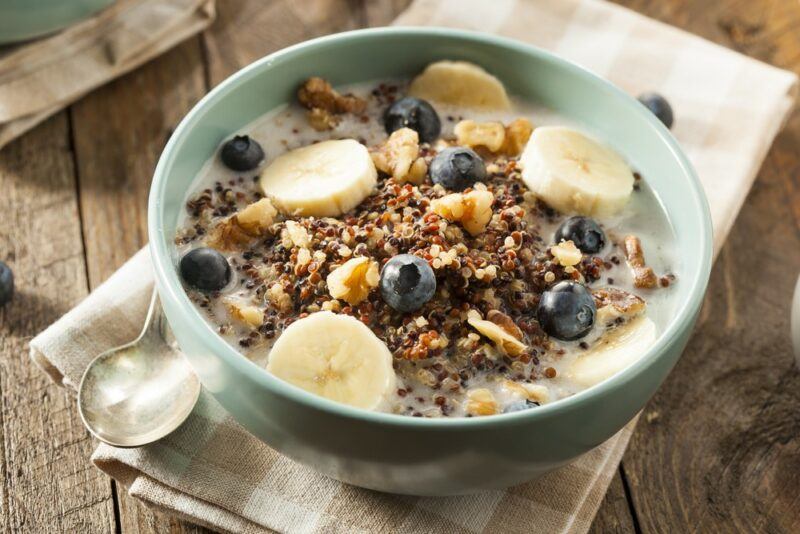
[718, 447]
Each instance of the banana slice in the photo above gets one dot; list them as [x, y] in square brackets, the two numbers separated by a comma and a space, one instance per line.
[573, 173]
[459, 83]
[321, 180]
[336, 357]
[615, 351]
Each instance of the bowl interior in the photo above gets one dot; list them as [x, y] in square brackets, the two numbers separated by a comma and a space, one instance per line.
[394, 52]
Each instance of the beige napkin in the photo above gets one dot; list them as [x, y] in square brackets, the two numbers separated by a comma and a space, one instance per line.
[212, 472]
[41, 77]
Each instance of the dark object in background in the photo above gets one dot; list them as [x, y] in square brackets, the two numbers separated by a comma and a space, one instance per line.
[457, 168]
[242, 153]
[584, 233]
[6, 283]
[407, 282]
[566, 311]
[414, 113]
[206, 269]
[659, 106]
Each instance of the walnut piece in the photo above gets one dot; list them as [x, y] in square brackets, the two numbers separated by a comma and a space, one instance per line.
[487, 134]
[643, 276]
[296, 235]
[505, 342]
[399, 157]
[322, 119]
[279, 298]
[245, 313]
[613, 303]
[241, 228]
[473, 210]
[505, 322]
[353, 280]
[324, 102]
[480, 401]
[532, 392]
[508, 140]
[566, 253]
[517, 135]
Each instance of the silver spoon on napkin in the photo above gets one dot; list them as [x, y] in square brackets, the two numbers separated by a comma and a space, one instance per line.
[139, 392]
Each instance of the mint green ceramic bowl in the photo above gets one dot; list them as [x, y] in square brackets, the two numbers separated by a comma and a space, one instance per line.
[25, 19]
[414, 455]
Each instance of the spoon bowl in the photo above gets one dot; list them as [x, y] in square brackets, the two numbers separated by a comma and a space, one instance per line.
[140, 392]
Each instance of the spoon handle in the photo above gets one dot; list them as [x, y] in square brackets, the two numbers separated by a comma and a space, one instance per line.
[155, 326]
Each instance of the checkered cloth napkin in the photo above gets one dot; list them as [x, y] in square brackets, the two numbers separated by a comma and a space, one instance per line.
[212, 472]
[41, 77]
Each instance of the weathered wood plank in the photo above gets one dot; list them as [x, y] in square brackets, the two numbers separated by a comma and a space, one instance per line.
[247, 30]
[614, 514]
[119, 132]
[48, 484]
[719, 444]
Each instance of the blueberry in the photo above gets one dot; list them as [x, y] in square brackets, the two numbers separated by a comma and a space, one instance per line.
[457, 168]
[584, 232]
[659, 106]
[206, 269]
[6, 283]
[518, 406]
[241, 153]
[410, 112]
[407, 282]
[566, 311]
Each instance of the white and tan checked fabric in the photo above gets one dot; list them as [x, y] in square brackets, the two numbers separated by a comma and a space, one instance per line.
[212, 472]
[41, 77]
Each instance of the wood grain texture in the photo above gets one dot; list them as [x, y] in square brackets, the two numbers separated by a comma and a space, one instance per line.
[718, 448]
[614, 515]
[48, 484]
[246, 30]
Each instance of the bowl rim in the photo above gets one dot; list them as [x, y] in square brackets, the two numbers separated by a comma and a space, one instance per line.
[170, 287]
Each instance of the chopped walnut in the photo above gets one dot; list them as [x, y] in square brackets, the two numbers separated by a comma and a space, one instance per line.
[323, 102]
[240, 228]
[255, 218]
[399, 157]
[532, 392]
[509, 140]
[353, 280]
[318, 93]
[473, 210]
[417, 172]
[503, 340]
[480, 401]
[643, 276]
[296, 235]
[517, 135]
[322, 119]
[303, 257]
[566, 253]
[613, 303]
[505, 322]
[487, 134]
[279, 298]
[245, 313]
[331, 305]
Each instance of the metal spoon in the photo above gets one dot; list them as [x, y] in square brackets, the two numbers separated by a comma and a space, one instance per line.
[140, 392]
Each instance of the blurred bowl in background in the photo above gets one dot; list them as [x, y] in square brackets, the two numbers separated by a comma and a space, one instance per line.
[21, 20]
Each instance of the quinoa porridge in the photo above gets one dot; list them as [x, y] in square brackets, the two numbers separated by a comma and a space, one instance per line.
[432, 248]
